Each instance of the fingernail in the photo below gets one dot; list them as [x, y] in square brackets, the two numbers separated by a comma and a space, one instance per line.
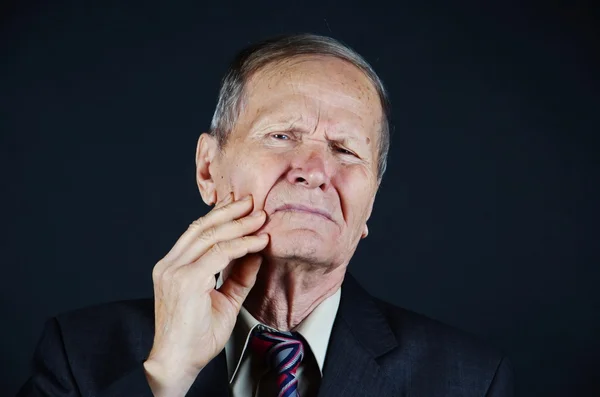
[256, 213]
[246, 197]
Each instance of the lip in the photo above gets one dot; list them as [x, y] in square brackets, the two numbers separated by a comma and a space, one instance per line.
[304, 208]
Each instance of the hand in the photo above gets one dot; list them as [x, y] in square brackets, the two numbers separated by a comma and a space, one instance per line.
[193, 320]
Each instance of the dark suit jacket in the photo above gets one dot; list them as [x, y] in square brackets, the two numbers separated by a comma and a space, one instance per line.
[375, 349]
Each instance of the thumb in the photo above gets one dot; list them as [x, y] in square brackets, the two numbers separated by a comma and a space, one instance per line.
[240, 281]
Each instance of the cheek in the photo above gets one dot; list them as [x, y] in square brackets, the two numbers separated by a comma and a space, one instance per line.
[255, 175]
[355, 190]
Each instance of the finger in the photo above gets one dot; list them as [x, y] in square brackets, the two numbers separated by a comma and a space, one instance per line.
[220, 233]
[217, 216]
[241, 279]
[221, 254]
[226, 213]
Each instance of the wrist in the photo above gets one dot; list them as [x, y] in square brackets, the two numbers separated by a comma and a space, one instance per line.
[168, 379]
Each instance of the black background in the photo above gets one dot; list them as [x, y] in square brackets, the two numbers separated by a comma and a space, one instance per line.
[487, 218]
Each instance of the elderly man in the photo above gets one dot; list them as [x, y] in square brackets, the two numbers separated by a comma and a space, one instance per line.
[254, 298]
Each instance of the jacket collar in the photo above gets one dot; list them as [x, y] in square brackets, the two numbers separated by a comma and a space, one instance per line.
[365, 318]
[360, 335]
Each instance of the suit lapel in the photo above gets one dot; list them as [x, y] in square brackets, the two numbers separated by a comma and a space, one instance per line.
[360, 334]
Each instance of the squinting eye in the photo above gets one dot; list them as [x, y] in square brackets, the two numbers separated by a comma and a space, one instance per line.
[282, 137]
[344, 151]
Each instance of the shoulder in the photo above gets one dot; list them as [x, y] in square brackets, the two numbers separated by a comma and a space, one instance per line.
[110, 328]
[414, 333]
[441, 351]
[411, 327]
[421, 355]
[92, 347]
[124, 313]
[109, 316]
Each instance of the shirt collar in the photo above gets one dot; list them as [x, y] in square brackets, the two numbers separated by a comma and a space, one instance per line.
[315, 329]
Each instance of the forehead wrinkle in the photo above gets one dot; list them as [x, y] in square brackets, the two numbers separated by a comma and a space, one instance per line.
[281, 115]
[355, 102]
[318, 120]
[348, 100]
[286, 72]
[353, 99]
[269, 119]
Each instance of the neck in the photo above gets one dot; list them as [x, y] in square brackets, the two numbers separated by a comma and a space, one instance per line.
[286, 292]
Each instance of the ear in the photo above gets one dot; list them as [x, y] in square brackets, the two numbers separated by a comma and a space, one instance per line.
[206, 153]
[365, 232]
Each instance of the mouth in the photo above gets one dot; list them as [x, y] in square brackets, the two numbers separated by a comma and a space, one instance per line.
[304, 209]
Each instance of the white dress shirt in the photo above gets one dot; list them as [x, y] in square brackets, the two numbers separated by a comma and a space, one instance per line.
[249, 378]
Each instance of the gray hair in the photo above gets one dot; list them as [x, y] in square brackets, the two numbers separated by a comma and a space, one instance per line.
[278, 49]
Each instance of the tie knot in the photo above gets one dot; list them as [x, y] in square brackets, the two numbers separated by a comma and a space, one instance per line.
[282, 351]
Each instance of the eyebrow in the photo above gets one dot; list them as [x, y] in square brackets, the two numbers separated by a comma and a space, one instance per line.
[290, 126]
[266, 120]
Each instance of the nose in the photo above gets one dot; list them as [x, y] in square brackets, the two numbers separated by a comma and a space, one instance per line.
[310, 169]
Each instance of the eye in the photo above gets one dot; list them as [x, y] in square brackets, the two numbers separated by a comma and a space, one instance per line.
[281, 137]
[342, 150]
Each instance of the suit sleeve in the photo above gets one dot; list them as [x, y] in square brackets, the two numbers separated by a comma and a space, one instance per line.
[52, 375]
[503, 383]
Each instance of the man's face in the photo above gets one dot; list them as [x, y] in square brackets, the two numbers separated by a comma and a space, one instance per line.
[305, 146]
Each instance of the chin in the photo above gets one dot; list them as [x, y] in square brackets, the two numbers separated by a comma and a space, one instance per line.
[307, 247]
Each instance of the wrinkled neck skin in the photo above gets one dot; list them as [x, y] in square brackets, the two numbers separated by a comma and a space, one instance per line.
[287, 291]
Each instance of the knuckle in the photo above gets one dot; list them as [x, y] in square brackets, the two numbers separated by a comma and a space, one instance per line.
[158, 270]
[238, 222]
[156, 274]
[197, 224]
[208, 235]
[219, 210]
[163, 275]
[218, 248]
[223, 250]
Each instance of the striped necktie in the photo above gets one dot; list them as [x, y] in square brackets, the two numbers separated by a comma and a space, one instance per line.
[282, 352]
